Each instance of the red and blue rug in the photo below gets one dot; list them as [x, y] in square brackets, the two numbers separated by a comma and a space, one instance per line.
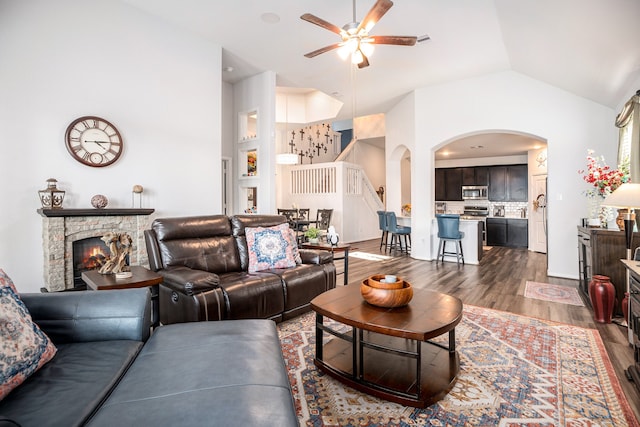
[553, 293]
[514, 371]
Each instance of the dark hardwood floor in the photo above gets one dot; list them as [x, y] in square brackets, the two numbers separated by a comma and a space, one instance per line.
[499, 283]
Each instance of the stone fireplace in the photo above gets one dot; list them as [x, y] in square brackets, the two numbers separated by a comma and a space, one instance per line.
[62, 227]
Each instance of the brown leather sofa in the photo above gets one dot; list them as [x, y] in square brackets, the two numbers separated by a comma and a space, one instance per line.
[204, 262]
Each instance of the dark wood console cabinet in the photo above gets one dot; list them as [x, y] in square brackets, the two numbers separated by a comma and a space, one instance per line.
[599, 252]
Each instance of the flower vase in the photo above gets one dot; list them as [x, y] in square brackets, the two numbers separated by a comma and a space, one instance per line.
[602, 294]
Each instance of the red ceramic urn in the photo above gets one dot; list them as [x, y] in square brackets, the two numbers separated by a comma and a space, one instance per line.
[602, 294]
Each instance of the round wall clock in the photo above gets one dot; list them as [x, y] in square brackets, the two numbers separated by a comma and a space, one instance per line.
[93, 141]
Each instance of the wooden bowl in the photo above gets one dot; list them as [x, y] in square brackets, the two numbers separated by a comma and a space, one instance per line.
[386, 298]
[375, 282]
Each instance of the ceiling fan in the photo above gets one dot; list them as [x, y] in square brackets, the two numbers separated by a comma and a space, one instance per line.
[355, 35]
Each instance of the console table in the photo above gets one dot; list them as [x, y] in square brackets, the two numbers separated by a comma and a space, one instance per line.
[599, 252]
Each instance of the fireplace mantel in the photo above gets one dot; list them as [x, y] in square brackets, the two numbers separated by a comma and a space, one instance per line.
[62, 227]
[51, 213]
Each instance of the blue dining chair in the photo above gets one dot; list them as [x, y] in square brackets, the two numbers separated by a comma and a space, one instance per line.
[449, 231]
[382, 223]
[398, 231]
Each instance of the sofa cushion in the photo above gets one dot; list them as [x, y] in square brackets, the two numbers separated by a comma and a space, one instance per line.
[67, 390]
[24, 348]
[227, 373]
[270, 247]
[201, 243]
[253, 295]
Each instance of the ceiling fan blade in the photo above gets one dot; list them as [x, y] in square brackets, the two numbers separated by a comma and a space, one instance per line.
[377, 11]
[322, 50]
[364, 62]
[397, 40]
[321, 23]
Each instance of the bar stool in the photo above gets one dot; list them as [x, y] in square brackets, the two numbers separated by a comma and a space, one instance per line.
[399, 231]
[449, 231]
[382, 223]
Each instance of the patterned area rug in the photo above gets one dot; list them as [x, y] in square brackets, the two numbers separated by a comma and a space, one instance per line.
[514, 371]
[553, 293]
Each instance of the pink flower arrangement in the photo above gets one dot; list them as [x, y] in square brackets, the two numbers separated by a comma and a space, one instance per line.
[602, 177]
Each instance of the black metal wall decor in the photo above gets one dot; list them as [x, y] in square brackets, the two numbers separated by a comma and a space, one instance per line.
[318, 138]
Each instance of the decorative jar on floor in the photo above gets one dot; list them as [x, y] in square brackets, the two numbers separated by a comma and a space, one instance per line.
[602, 294]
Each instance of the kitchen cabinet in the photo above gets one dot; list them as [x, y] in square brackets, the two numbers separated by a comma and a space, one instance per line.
[477, 175]
[498, 183]
[599, 252]
[508, 183]
[449, 184]
[512, 232]
[496, 232]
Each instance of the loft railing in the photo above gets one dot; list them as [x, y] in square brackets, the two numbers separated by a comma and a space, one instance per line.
[343, 187]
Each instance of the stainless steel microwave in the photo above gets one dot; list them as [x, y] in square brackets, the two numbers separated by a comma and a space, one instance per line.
[475, 192]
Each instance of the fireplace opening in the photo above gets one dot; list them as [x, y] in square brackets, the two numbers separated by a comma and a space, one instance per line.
[88, 254]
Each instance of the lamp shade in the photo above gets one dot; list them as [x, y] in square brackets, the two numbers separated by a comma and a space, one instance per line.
[625, 196]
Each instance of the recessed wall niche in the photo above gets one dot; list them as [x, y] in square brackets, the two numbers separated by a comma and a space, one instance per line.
[248, 162]
[248, 125]
[251, 200]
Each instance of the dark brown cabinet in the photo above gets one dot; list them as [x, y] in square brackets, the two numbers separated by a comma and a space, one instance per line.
[498, 183]
[599, 252]
[508, 183]
[512, 232]
[449, 184]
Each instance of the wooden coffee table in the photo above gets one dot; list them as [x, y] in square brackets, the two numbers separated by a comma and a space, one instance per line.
[390, 353]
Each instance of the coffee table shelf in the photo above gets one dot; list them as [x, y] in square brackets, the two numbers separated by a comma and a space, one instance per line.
[378, 356]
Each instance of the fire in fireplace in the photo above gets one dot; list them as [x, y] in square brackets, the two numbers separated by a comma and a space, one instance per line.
[88, 254]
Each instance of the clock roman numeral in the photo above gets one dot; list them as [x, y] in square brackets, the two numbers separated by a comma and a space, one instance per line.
[86, 155]
[75, 139]
[85, 124]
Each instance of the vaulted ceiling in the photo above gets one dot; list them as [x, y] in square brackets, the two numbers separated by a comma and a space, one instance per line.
[587, 47]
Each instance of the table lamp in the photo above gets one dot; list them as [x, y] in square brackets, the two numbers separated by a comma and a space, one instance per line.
[626, 196]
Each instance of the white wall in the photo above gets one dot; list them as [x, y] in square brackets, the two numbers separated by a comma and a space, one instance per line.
[257, 93]
[160, 86]
[505, 101]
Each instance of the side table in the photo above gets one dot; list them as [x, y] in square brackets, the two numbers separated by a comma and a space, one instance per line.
[141, 278]
[340, 247]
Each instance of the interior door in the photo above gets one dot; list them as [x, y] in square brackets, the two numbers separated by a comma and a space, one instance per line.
[538, 214]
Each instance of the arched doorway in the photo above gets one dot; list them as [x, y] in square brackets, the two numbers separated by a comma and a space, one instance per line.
[490, 148]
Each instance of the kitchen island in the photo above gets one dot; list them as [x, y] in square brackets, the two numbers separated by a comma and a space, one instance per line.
[471, 243]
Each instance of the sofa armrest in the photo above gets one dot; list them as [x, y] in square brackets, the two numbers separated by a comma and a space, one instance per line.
[188, 280]
[82, 316]
[315, 256]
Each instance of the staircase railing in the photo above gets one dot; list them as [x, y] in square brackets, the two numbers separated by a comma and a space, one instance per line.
[343, 187]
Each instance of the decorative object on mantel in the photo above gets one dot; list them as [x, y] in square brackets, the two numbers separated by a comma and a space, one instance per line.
[406, 209]
[605, 181]
[602, 294]
[51, 197]
[136, 193]
[120, 247]
[99, 201]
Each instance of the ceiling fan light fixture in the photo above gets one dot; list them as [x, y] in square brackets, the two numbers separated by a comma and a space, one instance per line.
[344, 51]
[367, 48]
[357, 57]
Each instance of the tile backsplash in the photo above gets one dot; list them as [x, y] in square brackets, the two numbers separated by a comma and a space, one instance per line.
[511, 209]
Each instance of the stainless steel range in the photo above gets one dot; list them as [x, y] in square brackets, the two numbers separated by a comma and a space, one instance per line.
[479, 213]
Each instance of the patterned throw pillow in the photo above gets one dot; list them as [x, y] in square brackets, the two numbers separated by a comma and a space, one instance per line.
[270, 247]
[293, 240]
[24, 348]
